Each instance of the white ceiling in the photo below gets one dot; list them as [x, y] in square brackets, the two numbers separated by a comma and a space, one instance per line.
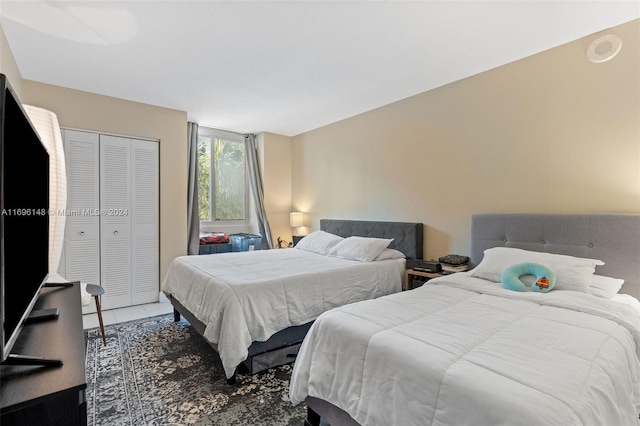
[284, 67]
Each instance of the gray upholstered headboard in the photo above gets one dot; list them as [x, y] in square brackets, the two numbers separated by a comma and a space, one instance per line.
[407, 237]
[612, 238]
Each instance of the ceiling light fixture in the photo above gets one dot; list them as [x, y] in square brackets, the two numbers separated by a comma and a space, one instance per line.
[604, 48]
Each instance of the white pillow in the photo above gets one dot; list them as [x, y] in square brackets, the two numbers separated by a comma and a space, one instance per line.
[320, 242]
[572, 273]
[360, 248]
[606, 287]
[389, 254]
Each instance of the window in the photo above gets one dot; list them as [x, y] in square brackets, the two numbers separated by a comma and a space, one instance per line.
[222, 177]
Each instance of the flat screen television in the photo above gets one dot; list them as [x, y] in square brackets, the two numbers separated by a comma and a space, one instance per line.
[24, 219]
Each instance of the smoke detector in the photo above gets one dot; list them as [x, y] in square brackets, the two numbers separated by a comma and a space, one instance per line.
[604, 48]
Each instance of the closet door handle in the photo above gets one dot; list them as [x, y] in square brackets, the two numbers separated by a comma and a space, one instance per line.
[82, 233]
[115, 232]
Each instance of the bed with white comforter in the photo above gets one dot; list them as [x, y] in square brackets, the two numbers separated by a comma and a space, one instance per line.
[464, 351]
[244, 297]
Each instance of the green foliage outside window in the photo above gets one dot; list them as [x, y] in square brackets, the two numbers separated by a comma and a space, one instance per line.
[228, 179]
[204, 178]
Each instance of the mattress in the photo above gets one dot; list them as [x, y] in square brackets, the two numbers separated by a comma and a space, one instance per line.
[244, 297]
[465, 351]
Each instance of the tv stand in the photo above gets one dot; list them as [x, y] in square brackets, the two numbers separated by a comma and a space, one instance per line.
[48, 386]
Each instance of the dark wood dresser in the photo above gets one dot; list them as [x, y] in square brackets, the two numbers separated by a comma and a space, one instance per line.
[36, 395]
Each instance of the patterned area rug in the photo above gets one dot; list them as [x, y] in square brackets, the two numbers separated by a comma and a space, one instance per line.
[154, 371]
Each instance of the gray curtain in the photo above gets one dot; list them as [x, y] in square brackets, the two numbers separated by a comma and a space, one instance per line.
[257, 190]
[193, 220]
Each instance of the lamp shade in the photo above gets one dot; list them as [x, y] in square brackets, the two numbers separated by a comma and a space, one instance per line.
[296, 219]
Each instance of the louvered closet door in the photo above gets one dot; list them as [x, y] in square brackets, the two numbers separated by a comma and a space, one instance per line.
[115, 221]
[81, 251]
[145, 207]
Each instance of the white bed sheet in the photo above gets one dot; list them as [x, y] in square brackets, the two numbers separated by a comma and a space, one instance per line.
[243, 297]
[465, 351]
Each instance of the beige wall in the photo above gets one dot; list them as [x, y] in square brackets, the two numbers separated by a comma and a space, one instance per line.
[87, 111]
[275, 152]
[552, 133]
[8, 65]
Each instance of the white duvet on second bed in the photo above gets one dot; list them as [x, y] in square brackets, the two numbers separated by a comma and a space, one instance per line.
[243, 297]
[465, 351]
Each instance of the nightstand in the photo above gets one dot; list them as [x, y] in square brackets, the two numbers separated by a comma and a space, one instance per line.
[411, 274]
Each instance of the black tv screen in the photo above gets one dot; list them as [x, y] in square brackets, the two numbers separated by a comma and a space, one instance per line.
[24, 222]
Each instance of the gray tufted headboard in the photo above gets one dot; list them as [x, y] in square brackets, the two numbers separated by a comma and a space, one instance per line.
[407, 237]
[612, 238]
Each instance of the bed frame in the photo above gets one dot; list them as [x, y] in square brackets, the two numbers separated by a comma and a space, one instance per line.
[612, 238]
[282, 347]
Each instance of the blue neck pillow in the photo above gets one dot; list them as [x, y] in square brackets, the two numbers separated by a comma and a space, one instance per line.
[545, 277]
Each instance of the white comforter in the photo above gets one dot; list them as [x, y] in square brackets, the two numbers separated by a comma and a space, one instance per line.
[465, 351]
[243, 297]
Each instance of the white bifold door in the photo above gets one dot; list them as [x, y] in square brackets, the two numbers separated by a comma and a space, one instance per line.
[111, 234]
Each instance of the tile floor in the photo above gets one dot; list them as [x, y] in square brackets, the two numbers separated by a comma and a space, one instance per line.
[113, 316]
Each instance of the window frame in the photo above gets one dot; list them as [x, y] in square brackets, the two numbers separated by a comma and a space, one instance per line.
[225, 224]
